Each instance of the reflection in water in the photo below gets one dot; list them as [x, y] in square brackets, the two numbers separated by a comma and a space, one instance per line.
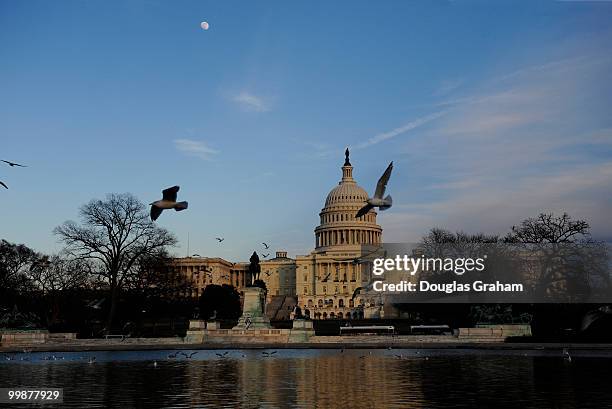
[320, 378]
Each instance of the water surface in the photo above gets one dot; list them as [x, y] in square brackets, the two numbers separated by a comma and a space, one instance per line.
[318, 378]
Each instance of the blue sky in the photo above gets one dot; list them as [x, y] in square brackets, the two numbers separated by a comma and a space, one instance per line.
[491, 112]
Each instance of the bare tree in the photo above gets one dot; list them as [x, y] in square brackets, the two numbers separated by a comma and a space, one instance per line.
[115, 233]
[439, 242]
[155, 277]
[563, 258]
[54, 278]
[58, 273]
[548, 228]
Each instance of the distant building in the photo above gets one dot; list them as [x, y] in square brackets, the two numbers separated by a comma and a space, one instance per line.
[279, 275]
[202, 271]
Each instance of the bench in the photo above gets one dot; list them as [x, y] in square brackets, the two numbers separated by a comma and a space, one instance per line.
[112, 336]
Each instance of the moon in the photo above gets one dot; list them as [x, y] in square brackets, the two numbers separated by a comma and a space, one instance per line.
[204, 25]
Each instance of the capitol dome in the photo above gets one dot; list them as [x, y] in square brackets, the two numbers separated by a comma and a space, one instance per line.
[339, 227]
[346, 192]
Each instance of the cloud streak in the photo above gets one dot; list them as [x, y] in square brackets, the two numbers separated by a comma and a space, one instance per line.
[251, 102]
[198, 149]
[398, 131]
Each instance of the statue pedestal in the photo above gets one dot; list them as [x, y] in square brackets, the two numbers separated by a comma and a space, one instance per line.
[253, 316]
[302, 330]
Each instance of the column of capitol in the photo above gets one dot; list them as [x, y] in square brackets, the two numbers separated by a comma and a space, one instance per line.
[328, 276]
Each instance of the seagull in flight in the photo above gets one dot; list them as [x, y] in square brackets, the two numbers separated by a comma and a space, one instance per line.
[377, 200]
[219, 239]
[168, 202]
[11, 164]
[266, 246]
[2, 183]
[367, 287]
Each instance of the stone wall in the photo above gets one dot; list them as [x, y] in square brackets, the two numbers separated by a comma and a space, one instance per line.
[303, 332]
[199, 332]
[23, 337]
[494, 332]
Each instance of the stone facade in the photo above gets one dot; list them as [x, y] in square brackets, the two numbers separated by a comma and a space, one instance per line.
[202, 271]
[327, 277]
[279, 275]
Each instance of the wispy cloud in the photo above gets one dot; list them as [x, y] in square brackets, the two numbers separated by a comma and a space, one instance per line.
[195, 148]
[448, 86]
[398, 131]
[523, 143]
[555, 65]
[251, 102]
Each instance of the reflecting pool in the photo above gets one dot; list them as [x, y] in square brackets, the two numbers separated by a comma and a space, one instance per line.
[308, 378]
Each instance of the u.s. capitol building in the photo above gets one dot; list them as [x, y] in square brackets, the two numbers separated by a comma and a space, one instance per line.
[325, 280]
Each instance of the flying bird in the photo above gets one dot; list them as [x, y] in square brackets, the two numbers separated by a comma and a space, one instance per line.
[377, 200]
[265, 255]
[96, 304]
[266, 246]
[219, 239]
[11, 164]
[358, 290]
[2, 183]
[168, 202]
